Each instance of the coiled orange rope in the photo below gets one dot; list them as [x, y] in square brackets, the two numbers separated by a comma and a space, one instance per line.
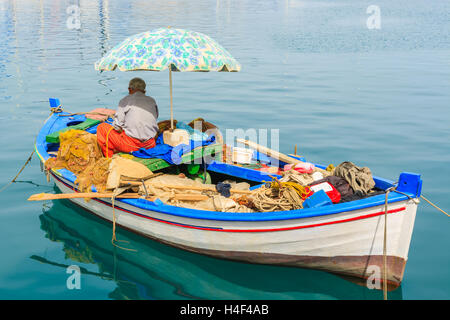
[107, 137]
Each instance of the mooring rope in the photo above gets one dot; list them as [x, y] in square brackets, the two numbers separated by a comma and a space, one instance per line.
[23, 167]
[53, 110]
[57, 109]
[107, 139]
[84, 113]
[431, 203]
[114, 238]
[60, 109]
[393, 189]
[385, 243]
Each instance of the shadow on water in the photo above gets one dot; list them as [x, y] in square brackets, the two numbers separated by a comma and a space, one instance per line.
[158, 271]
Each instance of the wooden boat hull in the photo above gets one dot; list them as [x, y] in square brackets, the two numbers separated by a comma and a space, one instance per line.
[348, 243]
[84, 238]
[344, 238]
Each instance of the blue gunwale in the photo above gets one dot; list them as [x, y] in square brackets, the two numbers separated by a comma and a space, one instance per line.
[53, 124]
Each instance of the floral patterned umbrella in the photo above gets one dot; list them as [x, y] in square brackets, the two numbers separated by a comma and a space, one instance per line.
[167, 48]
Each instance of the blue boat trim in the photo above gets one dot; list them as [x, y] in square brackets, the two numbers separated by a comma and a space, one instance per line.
[160, 207]
[413, 190]
[208, 228]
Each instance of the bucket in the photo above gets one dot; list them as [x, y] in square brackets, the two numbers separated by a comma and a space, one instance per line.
[242, 155]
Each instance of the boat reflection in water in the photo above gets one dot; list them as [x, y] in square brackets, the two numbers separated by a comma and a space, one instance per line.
[158, 271]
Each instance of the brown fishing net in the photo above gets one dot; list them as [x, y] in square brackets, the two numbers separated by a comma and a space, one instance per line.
[123, 168]
[360, 179]
[80, 154]
[78, 149]
[95, 174]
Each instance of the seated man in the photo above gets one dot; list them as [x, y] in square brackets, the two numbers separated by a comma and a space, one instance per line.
[134, 125]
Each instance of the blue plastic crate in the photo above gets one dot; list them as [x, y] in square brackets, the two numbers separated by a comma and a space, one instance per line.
[318, 199]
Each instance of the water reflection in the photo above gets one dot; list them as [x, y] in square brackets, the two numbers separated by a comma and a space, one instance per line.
[103, 14]
[157, 271]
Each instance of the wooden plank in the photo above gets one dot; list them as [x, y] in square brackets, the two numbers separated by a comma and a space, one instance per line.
[189, 197]
[179, 187]
[129, 184]
[271, 153]
[136, 182]
[52, 196]
[78, 195]
[201, 188]
[128, 179]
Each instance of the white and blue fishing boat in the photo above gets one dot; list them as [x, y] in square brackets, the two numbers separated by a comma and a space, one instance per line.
[344, 238]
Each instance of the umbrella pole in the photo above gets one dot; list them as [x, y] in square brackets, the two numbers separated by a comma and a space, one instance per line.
[171, 99]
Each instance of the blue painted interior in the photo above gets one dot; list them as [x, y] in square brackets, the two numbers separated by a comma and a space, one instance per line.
[236, 171]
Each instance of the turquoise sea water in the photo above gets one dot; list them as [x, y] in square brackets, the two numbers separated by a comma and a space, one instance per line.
[312, 69]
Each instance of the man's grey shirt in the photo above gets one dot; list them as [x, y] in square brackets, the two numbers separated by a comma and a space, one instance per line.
[137, 115]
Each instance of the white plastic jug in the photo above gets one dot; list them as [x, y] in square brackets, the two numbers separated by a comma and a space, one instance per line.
[176, 137]
[242, 155]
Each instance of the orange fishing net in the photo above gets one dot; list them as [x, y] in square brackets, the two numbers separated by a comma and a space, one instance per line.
[80, 154]
[95, 174]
